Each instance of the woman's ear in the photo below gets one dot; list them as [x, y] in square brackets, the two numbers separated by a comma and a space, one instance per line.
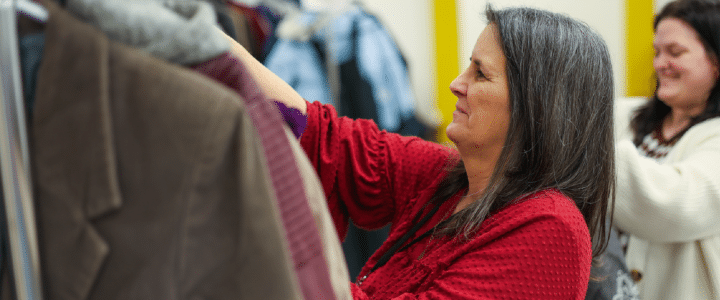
[716, 66]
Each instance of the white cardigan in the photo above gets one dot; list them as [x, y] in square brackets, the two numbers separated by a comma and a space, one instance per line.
[671, 210]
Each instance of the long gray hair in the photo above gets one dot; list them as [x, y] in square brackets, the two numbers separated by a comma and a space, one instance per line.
[561, 117]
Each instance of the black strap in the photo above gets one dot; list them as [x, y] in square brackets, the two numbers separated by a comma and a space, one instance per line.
[396, 247]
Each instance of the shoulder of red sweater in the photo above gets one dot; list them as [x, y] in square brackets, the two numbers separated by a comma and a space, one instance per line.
[545, 201]
[543, 212]
[548, 203]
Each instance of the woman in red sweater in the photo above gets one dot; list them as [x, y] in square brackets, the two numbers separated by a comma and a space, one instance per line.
[509, 212]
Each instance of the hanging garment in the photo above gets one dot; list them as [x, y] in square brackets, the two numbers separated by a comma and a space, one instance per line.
[226, 22]
[379, 69]
[301, 223]
[610, 279]
[150, 183]
[261, 22]
[333, 252]
[305, 244]
[149, 35]
[31, 49]
[242, 29]
[181, 32]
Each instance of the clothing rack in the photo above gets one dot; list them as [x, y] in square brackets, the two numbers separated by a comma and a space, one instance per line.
[24, 260]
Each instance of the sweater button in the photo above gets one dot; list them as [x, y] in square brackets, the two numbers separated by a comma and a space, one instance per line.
[360, 282]
[636, 275]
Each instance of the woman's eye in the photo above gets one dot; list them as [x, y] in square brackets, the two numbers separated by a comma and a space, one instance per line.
[480, 74]
[676, 51]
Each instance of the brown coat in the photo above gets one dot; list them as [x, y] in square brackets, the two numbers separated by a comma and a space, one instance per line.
[142, 191]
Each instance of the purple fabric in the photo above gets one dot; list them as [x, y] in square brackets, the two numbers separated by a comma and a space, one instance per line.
[300, 228]
[293, 117]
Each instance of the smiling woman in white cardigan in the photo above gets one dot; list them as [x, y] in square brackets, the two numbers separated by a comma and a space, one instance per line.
[668, 169]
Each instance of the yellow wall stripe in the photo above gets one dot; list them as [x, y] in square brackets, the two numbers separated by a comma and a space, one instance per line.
[446, 59]
[640, 77]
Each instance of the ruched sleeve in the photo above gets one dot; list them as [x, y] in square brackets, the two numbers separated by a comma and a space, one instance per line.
[367, 174]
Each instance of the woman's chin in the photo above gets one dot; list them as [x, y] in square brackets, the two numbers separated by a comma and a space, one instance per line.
[451, 131]
[667, 98]
[666, 93]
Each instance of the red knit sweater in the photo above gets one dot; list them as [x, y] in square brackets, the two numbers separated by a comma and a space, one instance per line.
[537, 248]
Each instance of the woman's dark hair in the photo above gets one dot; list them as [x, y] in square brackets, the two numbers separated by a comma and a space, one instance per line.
[704, 17]
[561, 115]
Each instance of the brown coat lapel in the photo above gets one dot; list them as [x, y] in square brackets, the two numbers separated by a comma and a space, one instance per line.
[148, 180]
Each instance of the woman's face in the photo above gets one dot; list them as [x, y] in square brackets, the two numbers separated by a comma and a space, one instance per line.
[482, 114]
[685, 71]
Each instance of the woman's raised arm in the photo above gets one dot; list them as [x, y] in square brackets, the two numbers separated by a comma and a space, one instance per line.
[272, 86]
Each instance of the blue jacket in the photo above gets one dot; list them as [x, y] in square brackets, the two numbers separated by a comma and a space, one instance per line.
[354, 37]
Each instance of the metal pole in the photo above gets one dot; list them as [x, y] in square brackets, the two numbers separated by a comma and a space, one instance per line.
[14, 164]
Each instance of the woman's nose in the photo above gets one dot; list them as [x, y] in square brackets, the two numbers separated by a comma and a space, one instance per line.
[457, 87]
[660, 63]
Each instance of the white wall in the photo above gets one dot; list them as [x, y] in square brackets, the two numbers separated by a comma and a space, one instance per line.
[660, 3]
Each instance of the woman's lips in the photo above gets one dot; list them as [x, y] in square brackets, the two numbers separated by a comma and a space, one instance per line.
[460, 109]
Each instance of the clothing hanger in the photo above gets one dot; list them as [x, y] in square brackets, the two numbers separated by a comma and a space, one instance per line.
[325, 5]
[295, 27]
[248, 2]
[14, 157]
[32, 10]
